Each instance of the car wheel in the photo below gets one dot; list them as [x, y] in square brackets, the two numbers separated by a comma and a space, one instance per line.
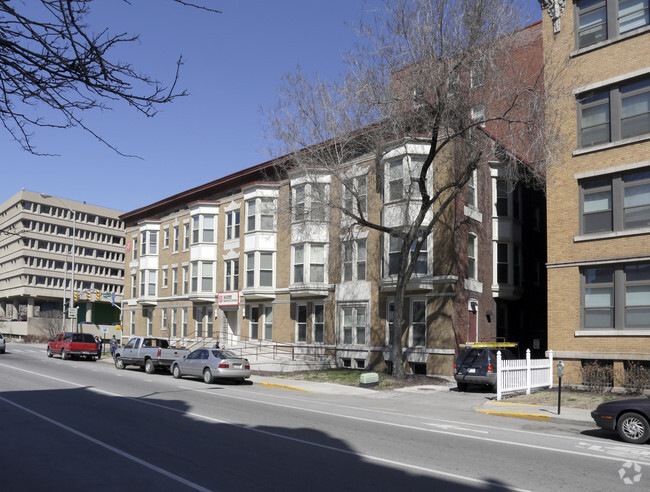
[119, 363]
[149, 368]
[176, 371]
[49, 352]
[461, 386]
[207, 375]
[64, 356]
[633, 428]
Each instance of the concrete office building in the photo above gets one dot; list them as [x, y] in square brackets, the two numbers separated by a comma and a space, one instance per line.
[36, 238]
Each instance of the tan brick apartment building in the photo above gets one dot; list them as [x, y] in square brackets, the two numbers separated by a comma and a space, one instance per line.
[598, 198]
[256, 256]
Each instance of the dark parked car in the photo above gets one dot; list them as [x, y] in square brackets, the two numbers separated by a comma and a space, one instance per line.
[629, 417]
[477, 364]
[3, 345]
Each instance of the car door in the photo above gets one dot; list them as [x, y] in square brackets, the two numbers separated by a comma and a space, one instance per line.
[130, 350]
[192, 364]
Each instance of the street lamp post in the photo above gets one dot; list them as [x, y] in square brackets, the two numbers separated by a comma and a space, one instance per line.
[74, 235]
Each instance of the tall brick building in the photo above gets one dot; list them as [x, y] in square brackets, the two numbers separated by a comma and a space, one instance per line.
[598, 198]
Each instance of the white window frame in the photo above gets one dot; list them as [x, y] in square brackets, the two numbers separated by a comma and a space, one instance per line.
[411, 337]
[353, 256]
[233, 225]
[308, 264]
[354, 327]
[254, 270]
[231, 275]
[301, 307]
[472, 256]
[165, 277]
[166, 237]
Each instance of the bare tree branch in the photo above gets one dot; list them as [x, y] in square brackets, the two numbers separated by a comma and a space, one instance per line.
[53, 68]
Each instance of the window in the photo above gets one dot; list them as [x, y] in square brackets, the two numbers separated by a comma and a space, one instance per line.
[266, 269]
[185, 280]
[394, 255]
[472, 249]
[616, 202]
[175, 281]
[502, 263]
[148, 314]
[175, 244]
[260, 214]
[395, 181]
[629, 101]
[319, 323]
[477, 76]
[232, 275]
[354, 325]
[186, 236]
[472, 199]
[232, 225]
[165, 277]
[174, 322]
[298, 264]
[478, 114]
[309, 202]
[617, 297]
[355, 195]
[163, 321]
[592, 22]
[135, 248]
[195, 277]
[132, 323]
[166, 237]
[207, 276]
[309, 263]
[183, 322]
[255, 322]
[299, 207]
[262, 261]
[208, 228]
[209, 322]
[196, 229]
[301, 320]
[317, 263]
[268, 323]
[150, 242]
[198, 321]
[134, 287]
[596, 19]
[354, 260]
[148, 282]
[418, 323]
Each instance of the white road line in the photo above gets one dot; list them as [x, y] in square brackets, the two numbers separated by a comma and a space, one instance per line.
[109, 447]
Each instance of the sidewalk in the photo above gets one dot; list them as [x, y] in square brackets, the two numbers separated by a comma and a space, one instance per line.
[535, 412]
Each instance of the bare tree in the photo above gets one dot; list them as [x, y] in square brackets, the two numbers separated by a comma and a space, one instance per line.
[50, 59]
[451, 75]
[51, 322]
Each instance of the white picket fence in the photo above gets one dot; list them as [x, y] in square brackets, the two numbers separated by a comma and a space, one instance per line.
[523, 374]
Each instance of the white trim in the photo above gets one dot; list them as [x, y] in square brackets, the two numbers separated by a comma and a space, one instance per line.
[611, 81]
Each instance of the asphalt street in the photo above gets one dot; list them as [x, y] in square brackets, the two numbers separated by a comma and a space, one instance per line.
[80, 425]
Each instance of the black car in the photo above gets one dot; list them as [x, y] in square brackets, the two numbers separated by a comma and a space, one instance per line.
[477, 364]
[629, 417]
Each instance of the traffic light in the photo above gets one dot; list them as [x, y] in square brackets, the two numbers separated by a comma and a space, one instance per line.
[97, 294]
[76, 297]
[89, 295]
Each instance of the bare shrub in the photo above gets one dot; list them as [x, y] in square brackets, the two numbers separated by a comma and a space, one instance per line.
[598, 377]
[636, 378]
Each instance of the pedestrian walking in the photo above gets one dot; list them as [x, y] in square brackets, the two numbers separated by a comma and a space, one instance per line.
[113, 345]
[99, 347]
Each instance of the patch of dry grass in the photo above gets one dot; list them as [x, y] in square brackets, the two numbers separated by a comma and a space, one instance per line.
[570, 398]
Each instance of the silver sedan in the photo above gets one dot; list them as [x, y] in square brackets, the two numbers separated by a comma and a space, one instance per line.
[211, 364]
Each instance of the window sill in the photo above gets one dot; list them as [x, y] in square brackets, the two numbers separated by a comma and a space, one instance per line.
[473, 285]
[473, 213]
[640, 332]
[610, 145]
[610, 235]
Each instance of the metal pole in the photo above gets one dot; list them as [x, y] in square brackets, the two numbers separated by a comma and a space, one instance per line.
[74, 236]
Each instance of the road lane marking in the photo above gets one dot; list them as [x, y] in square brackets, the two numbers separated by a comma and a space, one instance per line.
[113, 449]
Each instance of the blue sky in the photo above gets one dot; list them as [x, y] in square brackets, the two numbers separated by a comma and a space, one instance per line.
[233, 65]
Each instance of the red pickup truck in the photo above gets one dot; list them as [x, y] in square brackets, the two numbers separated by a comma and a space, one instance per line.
[73, 345]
